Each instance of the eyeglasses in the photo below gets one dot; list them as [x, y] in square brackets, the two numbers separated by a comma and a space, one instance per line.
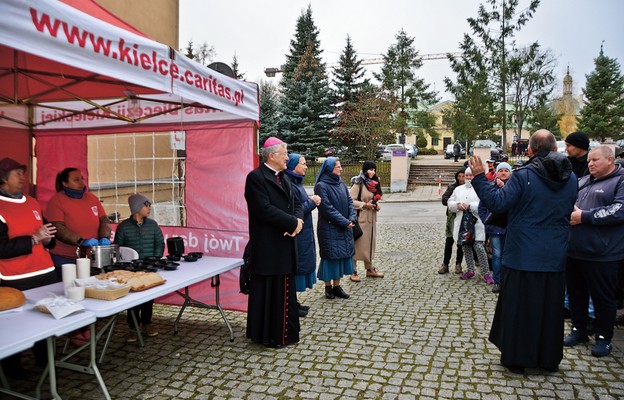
[302, 163]
[147, 204]
[283, 154]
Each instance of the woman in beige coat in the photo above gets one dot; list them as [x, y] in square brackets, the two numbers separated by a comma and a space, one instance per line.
[366, 192]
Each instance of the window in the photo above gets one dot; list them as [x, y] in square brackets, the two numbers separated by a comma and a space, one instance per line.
[151, 163]
[435, 141]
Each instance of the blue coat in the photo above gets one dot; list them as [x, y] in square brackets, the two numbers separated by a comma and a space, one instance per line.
[306, 244]
[600, 236]
[538, 200]
[335, 213]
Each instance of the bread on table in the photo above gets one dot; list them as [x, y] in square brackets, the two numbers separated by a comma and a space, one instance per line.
[11, 298]
[137, 280]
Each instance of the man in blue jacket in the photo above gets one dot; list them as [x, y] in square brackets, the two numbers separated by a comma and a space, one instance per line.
[538, 199]
[596, 249]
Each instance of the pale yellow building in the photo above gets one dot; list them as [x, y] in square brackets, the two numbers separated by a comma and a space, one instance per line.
[158, 19]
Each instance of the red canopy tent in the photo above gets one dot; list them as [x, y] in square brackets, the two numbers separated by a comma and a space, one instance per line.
[69, 69]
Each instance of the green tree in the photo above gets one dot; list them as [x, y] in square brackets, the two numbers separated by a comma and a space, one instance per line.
[306, 103]
[531, 81]
[368, 122]
[495, 25]
[235, 68]
[269, 104]
[348, 76]
[398, 76]
[603, 114]
[543, 116]
[473, 114]
[348, 81]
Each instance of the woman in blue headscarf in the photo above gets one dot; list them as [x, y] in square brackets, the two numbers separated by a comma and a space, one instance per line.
[334, 229]
[305, 277]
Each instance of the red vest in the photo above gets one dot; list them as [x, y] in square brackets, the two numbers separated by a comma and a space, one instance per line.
[23, 217]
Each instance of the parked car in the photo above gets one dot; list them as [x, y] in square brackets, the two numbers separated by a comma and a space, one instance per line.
[561, 147]
[380, 151]
[336, 151]
[449, 152]
[495, 152]
[387, 154]
[412, 151]
[593, 144]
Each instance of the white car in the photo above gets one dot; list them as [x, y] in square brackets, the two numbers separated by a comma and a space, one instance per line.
[561, 147]
[387, 154]
[412, 151]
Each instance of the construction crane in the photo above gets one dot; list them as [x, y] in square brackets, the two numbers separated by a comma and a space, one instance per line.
[270, 72]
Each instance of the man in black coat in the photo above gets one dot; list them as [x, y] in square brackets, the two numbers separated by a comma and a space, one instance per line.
[275, 218]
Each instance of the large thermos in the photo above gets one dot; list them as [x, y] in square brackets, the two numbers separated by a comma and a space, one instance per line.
[101, 256]
[175, 246]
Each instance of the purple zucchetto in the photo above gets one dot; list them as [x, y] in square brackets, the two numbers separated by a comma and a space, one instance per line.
[272, 141]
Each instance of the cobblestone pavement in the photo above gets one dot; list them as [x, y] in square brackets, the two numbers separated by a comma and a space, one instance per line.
[412, 335]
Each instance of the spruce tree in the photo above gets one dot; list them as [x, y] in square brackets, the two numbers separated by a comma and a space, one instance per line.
[348, 77]
[603, 114]
[398, 76]
[472, 116]
[306, 103]
[269, 104]
[348, 81]
[235, 68]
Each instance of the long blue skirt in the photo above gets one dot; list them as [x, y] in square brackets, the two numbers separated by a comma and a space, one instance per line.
[305, 281]
[335, 269]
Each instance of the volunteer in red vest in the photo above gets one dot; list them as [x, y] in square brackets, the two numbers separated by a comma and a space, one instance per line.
[78, 217]
[24, 261]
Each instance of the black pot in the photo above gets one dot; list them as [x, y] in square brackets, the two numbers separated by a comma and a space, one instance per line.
[197, 254]
[190, 258]
[173, 257]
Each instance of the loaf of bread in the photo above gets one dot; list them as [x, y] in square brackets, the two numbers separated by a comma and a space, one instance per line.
[11, 298]
[137, 280]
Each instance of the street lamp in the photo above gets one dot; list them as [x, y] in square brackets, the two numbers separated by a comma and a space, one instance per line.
[270, 72]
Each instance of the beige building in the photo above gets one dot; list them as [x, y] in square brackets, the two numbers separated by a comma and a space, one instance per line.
[158, 19]
[567, 106]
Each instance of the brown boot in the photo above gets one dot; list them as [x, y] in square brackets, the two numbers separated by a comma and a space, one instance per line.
[373, 273]
[444, 269]
[458, 269]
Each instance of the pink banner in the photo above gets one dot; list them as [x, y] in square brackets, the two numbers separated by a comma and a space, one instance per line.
[217, 163]
[54, 154]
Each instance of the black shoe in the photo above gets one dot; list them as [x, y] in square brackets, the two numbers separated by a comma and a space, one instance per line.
[575, 337]
[339, 292]
[329, 293]
[302, 312]
[496, 288]
[304, 308]
[514, 369]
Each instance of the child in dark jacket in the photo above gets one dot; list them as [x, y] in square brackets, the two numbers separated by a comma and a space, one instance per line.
[144, 236]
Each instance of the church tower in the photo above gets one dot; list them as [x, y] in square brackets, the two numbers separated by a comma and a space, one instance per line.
[567, 107]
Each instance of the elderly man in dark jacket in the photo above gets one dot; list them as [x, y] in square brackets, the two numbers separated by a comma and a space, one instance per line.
[538, 200]
[275, 218]
[596, 249]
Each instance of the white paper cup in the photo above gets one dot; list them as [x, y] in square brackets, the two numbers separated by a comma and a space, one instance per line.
[76, 293]
[83, 268]
[69, 274]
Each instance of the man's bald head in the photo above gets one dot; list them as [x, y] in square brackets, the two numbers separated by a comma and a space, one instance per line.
[542, 140]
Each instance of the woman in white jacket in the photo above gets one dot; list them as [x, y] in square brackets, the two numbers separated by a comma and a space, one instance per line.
[465, 199]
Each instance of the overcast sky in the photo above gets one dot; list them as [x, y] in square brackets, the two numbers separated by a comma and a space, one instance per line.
[259, 31]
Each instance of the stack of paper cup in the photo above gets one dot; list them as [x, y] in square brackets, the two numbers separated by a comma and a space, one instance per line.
[69, 275]
[83, 267]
